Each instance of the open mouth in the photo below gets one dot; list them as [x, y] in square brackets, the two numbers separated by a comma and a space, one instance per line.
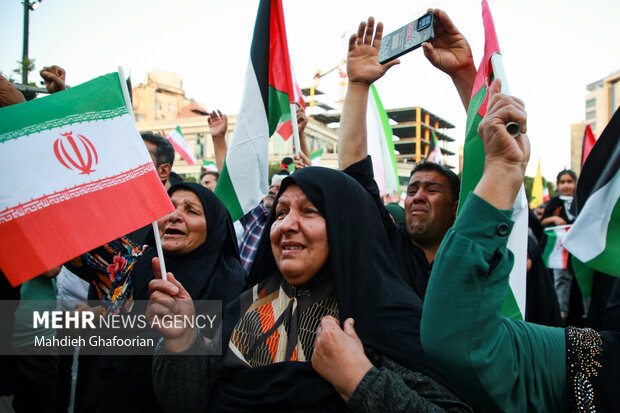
[173, 231]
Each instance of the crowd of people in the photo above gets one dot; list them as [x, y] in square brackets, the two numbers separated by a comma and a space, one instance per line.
[331, 300]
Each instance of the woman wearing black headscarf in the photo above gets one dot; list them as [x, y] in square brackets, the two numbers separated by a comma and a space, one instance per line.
[326, 254]
[199, 246]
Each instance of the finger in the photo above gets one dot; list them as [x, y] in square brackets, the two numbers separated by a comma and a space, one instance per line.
[163, 286]
[445, 21]
[361, 30]
[156, 268]
[496, 87]
[50, 77]
[378, 35]
[349, 329]
[430, 53]
[352, 41]
[391, 63]
[369, 31]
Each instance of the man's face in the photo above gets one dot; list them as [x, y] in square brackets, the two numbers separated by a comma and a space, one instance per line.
[271, 195]
[209, 181]
[429, 208]
[163, 170]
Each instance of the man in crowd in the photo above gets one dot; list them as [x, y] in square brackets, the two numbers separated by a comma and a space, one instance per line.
[432, 194]
[208, 179]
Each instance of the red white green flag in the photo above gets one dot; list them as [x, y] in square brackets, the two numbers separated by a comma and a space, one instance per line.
[181, 147]
[266, 103]
[490, 68]
[434, 151]
[93, 180]
[555, 255]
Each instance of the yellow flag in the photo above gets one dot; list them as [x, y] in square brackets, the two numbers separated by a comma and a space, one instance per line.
[537, 189]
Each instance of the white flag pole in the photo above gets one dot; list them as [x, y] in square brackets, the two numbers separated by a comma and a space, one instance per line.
[160, 253]
[295, 128]
[517, 241]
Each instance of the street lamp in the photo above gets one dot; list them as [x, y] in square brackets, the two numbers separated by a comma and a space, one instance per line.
[25, 62]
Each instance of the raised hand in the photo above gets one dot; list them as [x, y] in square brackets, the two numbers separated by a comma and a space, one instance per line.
[9, 95]
[449, 52]
[363, 57]
[54, 78]
[218, 123]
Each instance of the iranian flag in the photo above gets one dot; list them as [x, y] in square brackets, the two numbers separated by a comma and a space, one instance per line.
[490, 68]
[209, 166]
[555, 255]
[81, 176]
[177, 140]
[380, 145]
[434, 152]
[537, 189]
[546, 195]
[594, 238]
[266, 103]
[315, 157]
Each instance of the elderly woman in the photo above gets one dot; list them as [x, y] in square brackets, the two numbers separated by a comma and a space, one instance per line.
[326, 254]
[199, 246]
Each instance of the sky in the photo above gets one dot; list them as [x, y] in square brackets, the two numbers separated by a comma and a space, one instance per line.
[552, 49]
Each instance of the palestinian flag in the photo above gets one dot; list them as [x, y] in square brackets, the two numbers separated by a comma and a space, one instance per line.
[267, 96]
[93, 182]
[537, 195]
[434, 152]
[594, 238]
[555, 255]
[588, 143]
[473, 163]
[380, 145]
[181, 147]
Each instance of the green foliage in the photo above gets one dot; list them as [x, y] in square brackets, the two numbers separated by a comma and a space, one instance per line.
[189, 178]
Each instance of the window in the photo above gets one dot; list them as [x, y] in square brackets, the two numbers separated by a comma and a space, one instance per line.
[172, 108]
[590, 103]
[157, 106]
[590, 114]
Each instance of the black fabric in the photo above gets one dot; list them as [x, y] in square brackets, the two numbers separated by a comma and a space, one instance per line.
[368, 287]
[8, 363]
[555, 207]
[611, 319]
[602, 287]
[541, 302]
[210, 272]
[413, 266]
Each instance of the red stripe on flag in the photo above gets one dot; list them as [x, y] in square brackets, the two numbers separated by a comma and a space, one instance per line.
[588, 143]
[280, 76]
[285, 130]
[55, 233]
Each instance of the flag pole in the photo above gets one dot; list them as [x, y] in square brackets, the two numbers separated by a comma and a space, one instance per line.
[295, 128]
[160, 253]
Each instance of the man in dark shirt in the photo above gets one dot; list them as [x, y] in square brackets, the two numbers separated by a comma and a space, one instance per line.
[433, 190]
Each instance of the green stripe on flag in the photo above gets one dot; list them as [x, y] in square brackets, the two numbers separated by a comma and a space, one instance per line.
[53, 111]
[584, 276]
[385, 121]
[550, 246]
[225, 191]
[279, 109]
[473, 152]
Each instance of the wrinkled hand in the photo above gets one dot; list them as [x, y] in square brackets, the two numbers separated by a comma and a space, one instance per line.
[54, 78]
[499, 146]
[169, 298]
[218, 123]
[339, 356]
[9, 95]
[302, 119]
[363, 57]
[449, 51]
[301, 161]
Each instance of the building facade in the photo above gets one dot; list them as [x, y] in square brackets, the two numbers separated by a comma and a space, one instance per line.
[602, 100]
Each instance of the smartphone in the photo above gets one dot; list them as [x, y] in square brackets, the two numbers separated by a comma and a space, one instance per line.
[407, 38]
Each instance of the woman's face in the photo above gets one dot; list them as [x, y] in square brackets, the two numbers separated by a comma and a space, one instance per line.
[186, 228]
[298, 237]
[566, 185]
